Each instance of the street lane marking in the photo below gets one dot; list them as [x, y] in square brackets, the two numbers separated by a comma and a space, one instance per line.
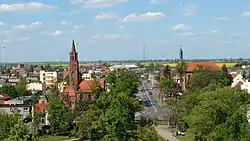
[149, 97]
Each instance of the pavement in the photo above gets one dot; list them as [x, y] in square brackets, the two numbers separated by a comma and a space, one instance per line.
[153, 108]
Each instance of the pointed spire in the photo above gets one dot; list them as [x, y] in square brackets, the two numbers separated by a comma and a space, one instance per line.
[73, 46]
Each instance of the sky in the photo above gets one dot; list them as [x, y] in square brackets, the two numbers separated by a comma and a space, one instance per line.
[43, 30]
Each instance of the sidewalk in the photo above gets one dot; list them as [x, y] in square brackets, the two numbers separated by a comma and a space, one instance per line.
[163, 131]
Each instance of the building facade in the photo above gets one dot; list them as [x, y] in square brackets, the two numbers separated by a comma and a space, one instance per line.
[49, 78]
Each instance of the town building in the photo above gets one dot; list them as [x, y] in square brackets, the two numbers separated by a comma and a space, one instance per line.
[21, 105]
[36, 87]
[49, 78]
[77, 89]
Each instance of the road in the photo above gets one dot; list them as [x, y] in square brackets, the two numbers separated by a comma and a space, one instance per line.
[152, 108]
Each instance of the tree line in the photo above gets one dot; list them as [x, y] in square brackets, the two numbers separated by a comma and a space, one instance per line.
[210, 110]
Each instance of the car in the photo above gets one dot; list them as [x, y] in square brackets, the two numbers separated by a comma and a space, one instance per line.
[150, 93]
[151, 88]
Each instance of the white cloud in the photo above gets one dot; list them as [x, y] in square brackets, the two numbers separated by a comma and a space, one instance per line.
[98, 3]
[157, 1]
[1, 23]
[27, 26]
[121, 27]
[106, 16]
[25, 7]
[222, 18]
[245, 14]
[187, 34]
[77, 27]
[180, 27]
[149, 16]
[57, 33]
[113, 37]
[189, 10]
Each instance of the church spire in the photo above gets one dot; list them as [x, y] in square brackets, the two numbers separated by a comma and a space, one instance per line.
[73, 46]
[181, 54]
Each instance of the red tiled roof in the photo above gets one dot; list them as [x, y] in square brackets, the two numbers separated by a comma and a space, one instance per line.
[67, 89]
[65, 73]
[37, 69]
[233, 75]
[72, 93]
[193, 65]
[22, 70]
[84, 86]
[41, 107]
[6, 96]
[105, 70]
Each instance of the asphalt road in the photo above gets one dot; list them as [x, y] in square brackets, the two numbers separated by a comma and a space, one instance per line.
[151, 107]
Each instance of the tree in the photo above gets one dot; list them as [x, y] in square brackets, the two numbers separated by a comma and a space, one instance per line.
[10, 90]
[7, 121]
[66, 79]
[147, 133]
[204, 77]
[20, 132]
[218, 115]
[31, 68]
[60, 118]
[110, 115]
[21, 88]
[181, 68]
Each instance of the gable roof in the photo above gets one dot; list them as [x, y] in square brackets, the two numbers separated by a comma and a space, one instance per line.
[41, 107]
[84, 86]
[4, 96]
[193, 65]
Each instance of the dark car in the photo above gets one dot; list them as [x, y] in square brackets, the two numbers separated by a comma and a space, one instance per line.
[150, 93]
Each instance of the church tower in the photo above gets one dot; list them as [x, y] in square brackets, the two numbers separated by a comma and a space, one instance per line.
[181, 55]
[73, 68]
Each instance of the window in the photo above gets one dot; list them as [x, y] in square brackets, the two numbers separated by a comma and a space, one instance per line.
[42, 120]
[26, 109]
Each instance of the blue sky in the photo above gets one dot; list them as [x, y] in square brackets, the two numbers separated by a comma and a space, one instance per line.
[42, 30]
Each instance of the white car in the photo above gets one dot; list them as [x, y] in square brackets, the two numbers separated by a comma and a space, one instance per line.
[151, 88]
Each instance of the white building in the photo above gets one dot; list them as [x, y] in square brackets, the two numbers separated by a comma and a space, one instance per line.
[49, 78]
[242, 83]
[35, 86]
[129, 67]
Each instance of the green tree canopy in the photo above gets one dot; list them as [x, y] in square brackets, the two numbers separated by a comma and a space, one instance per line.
[216, 115]
[60, 118]
[10, 90]
[111, 115]
[7, 121]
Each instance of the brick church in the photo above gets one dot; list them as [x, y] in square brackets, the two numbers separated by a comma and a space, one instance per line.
[78, 89]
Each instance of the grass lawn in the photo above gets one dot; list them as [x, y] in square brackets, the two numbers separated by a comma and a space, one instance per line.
[55, 138]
